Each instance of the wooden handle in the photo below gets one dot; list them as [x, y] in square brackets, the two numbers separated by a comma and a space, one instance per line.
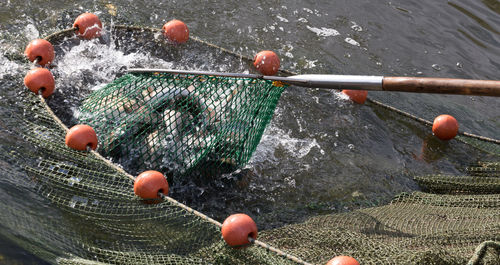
[442, 86]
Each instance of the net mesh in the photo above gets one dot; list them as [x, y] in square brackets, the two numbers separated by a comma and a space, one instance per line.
[72, 207]
[181, 124]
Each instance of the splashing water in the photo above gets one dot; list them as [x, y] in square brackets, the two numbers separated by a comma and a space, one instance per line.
[103, 61]
[91, 65]
[8, 67]
[276, 138]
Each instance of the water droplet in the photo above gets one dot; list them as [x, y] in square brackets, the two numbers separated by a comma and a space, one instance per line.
[436, 67]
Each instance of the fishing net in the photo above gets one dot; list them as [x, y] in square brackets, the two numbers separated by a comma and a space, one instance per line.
[74, 207]
[179, 123]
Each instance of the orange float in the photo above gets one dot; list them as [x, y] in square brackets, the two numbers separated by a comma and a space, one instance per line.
[80, 136]
[343, 260]
[445, 127]
[149, 183]
[88, 26]
[40, 49]
[176, 31]
[40, 80]
[267, 62]
[358, 96]
[237, 228]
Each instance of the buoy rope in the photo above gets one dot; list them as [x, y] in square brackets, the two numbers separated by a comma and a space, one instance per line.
[59, 33]
[252, 240]
[37, 59]
[429, 123]
[189, 209]
[277, 251]
[407, 114]
[194, 38]
[63, 126]
[480, 252]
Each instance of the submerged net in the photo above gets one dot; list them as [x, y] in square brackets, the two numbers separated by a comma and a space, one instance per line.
[181, 124]
[82, 209]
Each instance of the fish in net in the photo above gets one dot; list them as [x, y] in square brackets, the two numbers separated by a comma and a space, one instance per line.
[181, 123]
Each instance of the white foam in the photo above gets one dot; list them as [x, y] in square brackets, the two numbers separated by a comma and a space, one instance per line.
[356, 27]
[275, 138]
[307, 10]
[323, 32]
[103, 61]
[8, 67]
[351, 41]
[310, 64]
[31, 32]
[340, 96]
[282, 19]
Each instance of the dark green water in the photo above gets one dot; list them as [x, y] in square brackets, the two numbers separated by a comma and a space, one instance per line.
[321, 154]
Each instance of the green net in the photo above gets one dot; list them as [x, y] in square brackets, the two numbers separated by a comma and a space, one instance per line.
[181, 123]
[73, 207]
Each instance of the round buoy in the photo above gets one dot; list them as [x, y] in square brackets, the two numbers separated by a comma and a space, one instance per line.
[343, 260]
[40, 49]
[358, 96]
[267, 62]
[80, 136]
[237, 228]
[445, 127]
[149, 183]
[88, 26]
[40, 79]
[176, 31]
